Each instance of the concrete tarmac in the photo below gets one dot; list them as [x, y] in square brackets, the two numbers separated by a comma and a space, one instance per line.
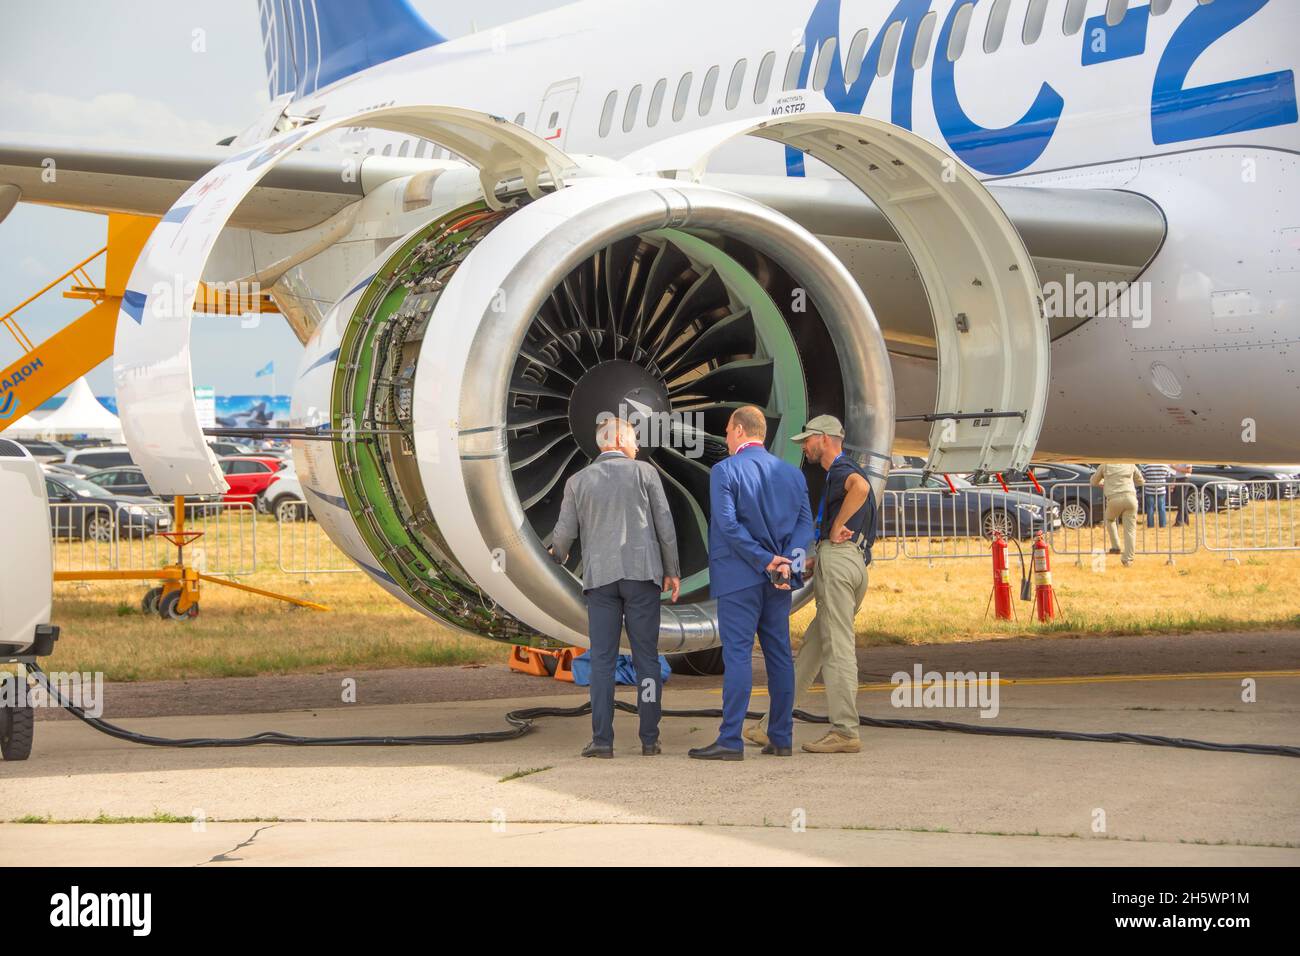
[911, 796]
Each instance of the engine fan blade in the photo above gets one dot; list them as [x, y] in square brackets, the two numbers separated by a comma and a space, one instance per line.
[733, 335]
[691, 525]
[538, 480]
[746, 380]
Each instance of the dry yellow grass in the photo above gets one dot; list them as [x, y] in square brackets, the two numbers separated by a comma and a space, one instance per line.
[909, 601]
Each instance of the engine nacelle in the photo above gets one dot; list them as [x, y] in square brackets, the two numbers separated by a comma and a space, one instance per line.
[464, 375]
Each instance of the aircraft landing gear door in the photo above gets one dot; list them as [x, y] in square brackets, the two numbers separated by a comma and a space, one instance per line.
[557, 109]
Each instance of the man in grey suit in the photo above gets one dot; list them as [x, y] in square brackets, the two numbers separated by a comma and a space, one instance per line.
[629, 545]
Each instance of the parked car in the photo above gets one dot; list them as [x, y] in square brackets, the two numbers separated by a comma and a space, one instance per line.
[100, 456]
[45, 451]
[283, 497]
[1287, 478]
[129, 480]
[248, 475]
[82, 509]
[1208, 493]
[224, 448]
[1067, 484]
[63, 468]
[931, 508]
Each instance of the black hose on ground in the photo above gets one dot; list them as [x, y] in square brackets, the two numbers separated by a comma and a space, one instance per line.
[523, 722]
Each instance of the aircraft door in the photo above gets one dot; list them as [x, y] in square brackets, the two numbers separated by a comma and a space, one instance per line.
[557, 109]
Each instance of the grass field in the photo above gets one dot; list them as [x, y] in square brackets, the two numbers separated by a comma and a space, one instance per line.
[910, 601]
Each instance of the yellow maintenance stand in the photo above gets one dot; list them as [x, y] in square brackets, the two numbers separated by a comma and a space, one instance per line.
[46, 369]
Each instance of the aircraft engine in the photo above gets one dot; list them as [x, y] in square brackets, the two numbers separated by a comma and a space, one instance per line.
[462, 378]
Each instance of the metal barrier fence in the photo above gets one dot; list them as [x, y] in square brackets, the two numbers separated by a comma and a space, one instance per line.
[1221, 516]
[1168, 528]
[107, 536]
[84, 536]
[302, 546]
[1268, 521]
[960, 522]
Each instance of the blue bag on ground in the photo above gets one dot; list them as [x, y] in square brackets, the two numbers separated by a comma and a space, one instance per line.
[624, 672]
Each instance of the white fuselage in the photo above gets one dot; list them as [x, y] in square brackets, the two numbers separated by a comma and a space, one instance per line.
[1193, 107]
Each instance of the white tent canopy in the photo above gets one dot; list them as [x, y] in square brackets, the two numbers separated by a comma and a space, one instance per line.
[80, 415]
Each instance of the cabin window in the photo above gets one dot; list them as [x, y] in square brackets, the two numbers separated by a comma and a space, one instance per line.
[763, 82]
[997, 25]
[889, 48]
[1115, 11]
[656, 103]
[1159, 7]
[825, 58]
[629, 111]
[1074, 13]
[707, 90]
[607, 114]
[405, 149]
[960, 29]
[857, 53]
[921, 52]
[1034, 17]
[793, 67]
[683, 96]
[737, 84]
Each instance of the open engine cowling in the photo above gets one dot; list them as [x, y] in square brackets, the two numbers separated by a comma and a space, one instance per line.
[461, 374]
[466, 370]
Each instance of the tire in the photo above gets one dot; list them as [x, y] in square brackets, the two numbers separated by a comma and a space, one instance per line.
[167, 608]
[287, 509]
[1200, 502]
[701, 663]
[17, 727]
[1262, 492]
[1076, 515]
[998, 520]
[98, 527]
[149, 603]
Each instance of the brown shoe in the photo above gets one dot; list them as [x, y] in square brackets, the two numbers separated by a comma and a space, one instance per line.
[834, 743]
[754, 734]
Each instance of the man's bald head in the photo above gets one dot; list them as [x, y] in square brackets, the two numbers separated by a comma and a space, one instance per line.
[747, 423]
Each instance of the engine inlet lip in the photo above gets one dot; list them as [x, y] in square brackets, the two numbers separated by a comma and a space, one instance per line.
[494, 503]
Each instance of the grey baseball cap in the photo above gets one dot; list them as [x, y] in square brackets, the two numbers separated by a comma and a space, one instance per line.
[821, 425]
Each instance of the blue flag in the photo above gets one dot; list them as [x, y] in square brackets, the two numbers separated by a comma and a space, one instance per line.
[268, 369]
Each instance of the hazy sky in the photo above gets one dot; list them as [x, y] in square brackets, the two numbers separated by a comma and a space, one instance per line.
[113, 69]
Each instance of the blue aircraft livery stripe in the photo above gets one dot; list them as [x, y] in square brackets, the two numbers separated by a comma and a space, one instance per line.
[323, 360]
[133, 305]
[334, 500]
[177, 213]
[1103, 42]
[309, 44]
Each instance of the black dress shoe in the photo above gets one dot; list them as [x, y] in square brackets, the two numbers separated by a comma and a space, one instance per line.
[716, 751]
[594, 749]
[651, 750]
[778, 751]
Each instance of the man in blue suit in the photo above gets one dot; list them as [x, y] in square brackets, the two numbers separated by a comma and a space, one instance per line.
[760, 528]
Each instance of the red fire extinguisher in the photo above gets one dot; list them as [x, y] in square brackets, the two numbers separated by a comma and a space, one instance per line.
[1045, 606]
[1001, 596]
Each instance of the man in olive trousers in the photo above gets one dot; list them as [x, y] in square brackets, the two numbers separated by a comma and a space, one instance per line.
[844, 528]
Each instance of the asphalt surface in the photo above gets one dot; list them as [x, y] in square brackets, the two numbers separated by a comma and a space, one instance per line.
[910, 797]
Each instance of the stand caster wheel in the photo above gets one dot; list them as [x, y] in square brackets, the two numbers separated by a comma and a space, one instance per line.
[168, 612]
[149, 603]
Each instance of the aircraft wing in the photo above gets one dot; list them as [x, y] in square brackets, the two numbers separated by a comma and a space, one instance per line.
[302, 191]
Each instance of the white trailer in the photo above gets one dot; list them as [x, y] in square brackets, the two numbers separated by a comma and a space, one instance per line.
[26, 591]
